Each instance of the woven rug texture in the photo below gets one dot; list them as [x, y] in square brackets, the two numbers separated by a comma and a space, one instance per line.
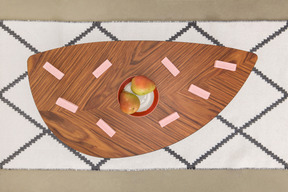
[251, 132]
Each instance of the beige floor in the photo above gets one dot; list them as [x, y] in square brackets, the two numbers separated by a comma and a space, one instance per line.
[146, 181]
[177, 180]
[113, 10]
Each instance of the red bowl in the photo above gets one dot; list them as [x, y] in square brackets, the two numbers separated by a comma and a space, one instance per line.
[142, 113]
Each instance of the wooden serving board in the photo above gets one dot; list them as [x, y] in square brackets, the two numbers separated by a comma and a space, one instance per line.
[96, 98]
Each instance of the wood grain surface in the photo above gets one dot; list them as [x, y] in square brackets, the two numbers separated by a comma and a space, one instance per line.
[97, 98]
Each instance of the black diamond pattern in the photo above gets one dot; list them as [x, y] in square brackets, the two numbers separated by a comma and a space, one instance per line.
[16, 36]
[237, 131]
[271, 37]
[102, 162]
[179, 157]
[28, 117]
[181, 32]
[205, 34]
[21, 149]
[260, 115]
[13, 83]
[106, 32]
[79, 37]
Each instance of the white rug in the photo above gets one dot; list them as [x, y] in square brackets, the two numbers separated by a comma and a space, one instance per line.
[251, 132]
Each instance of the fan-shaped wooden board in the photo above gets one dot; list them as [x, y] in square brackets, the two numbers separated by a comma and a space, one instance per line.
[97, 97]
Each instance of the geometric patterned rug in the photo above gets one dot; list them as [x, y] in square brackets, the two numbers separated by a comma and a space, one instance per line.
[251, 132]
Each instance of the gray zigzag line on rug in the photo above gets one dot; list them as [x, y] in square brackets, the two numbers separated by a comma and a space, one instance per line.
[181, 32]
[268, 152]
[21, 149]
[21, 112]
[218, 145]
[231, 136]
[270, 107]
[102, 162]
[17, 37]
[269, 38]
[178, 157]
[105, 31]
[213, 149]
[13, 83]
[263, 148]
[37, 124]
[205, 34]
[83, 34]
[76, 153]
[254, 141]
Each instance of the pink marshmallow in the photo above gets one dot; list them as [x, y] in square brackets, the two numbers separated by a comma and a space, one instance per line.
[67, 105]
[53, 70]
[105, 127]
[169, 119]
[199, 92]
[170, 66]
[225, 65]
[102, 68]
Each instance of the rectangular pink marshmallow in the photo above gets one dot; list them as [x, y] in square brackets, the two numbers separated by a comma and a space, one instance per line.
[170, 66]
[199, 92]
[67, 105]
[225, 65]
[169, 119]
[102, 68]
[105, 127]
[53, 70]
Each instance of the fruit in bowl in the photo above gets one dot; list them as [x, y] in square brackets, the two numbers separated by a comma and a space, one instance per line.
[142, 88]
[129, 103]
[141, 85]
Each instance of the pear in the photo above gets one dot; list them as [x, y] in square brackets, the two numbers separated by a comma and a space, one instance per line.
[141, 85]
[129, 103]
